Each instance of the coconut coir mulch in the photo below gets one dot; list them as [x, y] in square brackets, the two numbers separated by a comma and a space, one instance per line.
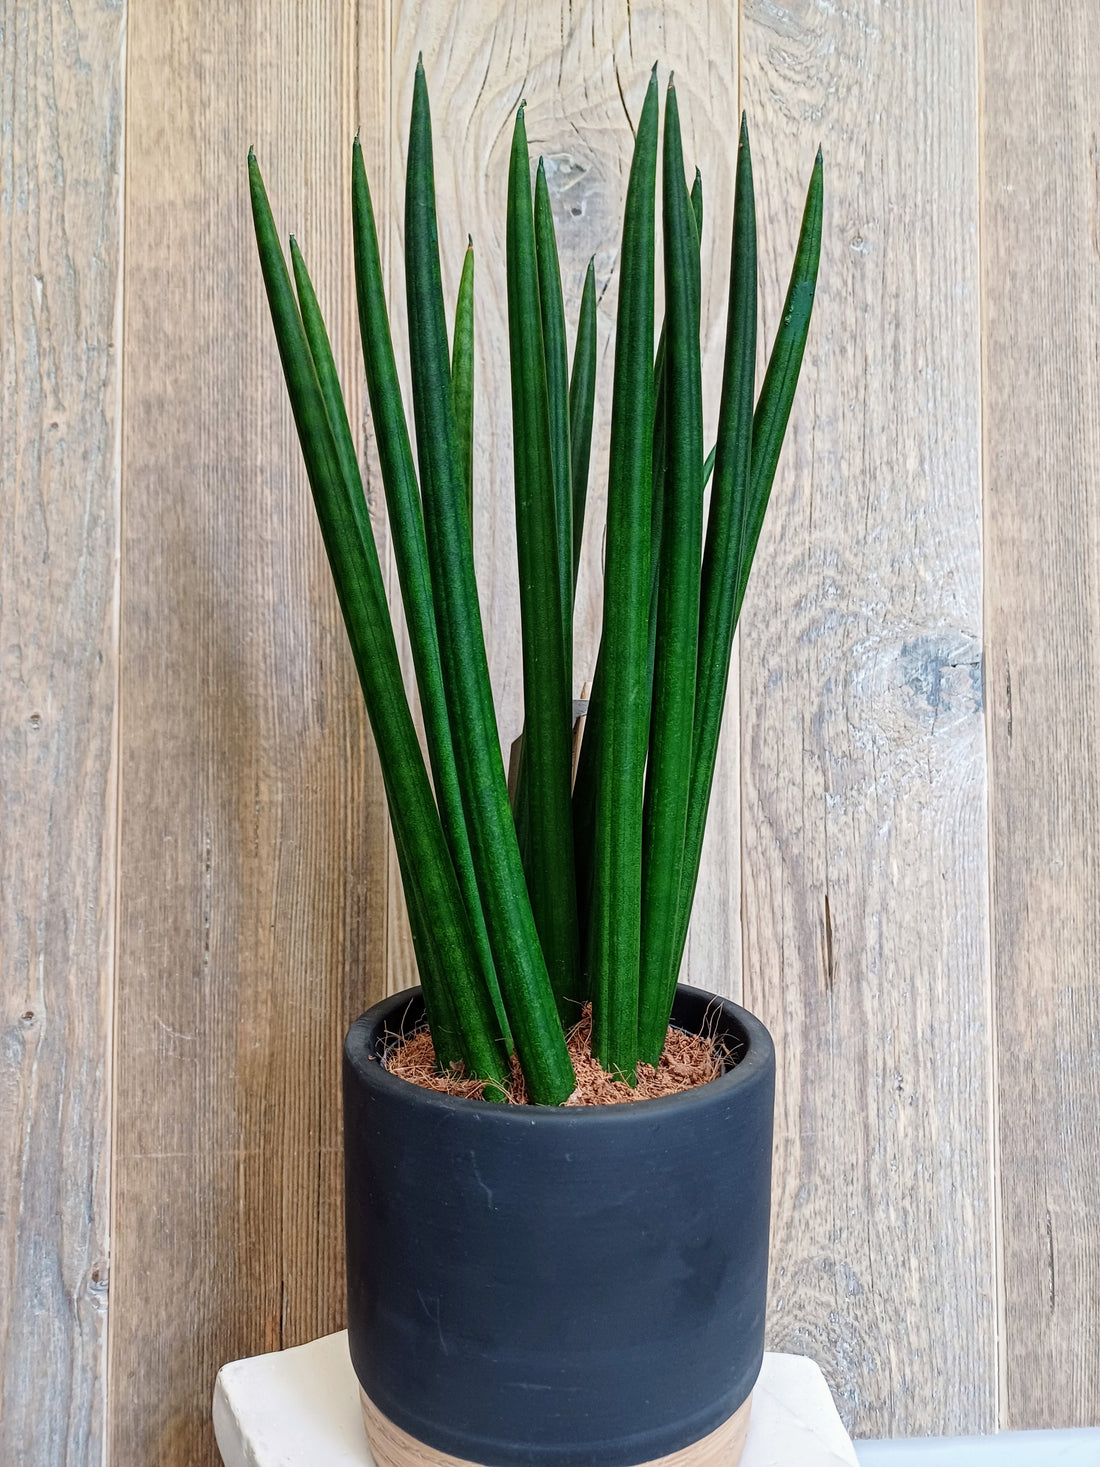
[687, 1060]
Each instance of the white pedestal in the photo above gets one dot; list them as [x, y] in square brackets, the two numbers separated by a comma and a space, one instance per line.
[300, 1408]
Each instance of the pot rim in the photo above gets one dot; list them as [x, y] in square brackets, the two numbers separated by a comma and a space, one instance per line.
[759, 1053]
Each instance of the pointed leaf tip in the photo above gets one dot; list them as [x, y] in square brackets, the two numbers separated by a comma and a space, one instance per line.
[469, 241]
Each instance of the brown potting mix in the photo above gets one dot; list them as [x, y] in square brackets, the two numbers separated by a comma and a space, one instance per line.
[687, 1060]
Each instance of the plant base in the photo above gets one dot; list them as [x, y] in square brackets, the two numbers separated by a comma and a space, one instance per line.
[392, 1447]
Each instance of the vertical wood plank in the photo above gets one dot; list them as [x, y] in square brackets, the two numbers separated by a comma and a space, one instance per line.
[583, 69]
[864, 769]
[253, 856]
[60, 301]
[1041, 276]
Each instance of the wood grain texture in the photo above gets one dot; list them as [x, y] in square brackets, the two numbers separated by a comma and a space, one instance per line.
[864, 768]
[583, 69]
[253, 862]
[1041, 273]
[60, 303]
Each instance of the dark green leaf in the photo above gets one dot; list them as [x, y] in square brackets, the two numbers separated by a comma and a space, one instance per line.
[582, 397]
[668, 773]
[445, 952]
[521, 970]
[614, 935]
[462, 374]
[552, 312]
[746, 456]
[540, 438]
[411, 554]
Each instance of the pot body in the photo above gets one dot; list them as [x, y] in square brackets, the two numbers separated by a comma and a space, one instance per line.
[578, 1287]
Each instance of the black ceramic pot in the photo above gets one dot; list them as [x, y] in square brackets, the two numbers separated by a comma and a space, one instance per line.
[576, 1287]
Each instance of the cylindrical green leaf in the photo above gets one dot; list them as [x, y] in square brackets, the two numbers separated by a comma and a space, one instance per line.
[584, 825]
[615, 931]
[552, 313]
[540, 438]
[582, 397]
[659, 469]
[521, 970]
[411, 554]
[449, 962]
[773, 407]
[462, 374]
[668, 773]
[657, 515]
[746, 456]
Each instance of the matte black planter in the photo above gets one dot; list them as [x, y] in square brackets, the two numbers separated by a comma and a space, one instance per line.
[576, 1287]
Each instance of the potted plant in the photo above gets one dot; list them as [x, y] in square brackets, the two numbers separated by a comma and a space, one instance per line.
[551, 1282]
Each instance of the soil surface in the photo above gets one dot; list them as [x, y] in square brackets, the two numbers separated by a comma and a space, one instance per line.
[687, 1060]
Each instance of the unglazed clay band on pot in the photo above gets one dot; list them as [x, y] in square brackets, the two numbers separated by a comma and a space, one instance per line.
[392, 1447]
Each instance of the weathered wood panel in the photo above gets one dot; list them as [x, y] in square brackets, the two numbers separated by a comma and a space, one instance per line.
[60, 301]
[864, 769]
[1041, 272]
[253, 857]
[583, 69]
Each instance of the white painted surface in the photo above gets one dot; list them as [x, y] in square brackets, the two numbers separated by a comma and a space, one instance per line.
[293, 1408]
[300, 1408]
[1007, 1449]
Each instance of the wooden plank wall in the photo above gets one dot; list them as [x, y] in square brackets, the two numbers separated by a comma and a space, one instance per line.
[1041, 268]
[61, 143]
[864, 814]
[252, 851]
[902, 851]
